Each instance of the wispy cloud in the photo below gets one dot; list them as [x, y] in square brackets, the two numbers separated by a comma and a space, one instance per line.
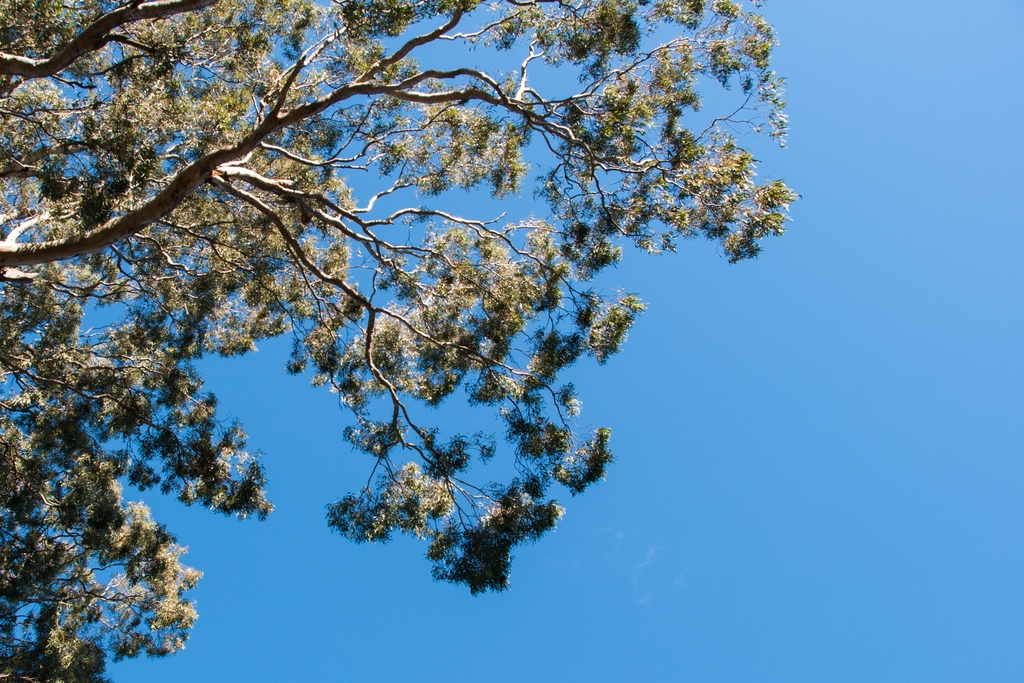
[652, 553]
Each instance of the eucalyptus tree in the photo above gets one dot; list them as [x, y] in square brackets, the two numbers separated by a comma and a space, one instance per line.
[185, 178]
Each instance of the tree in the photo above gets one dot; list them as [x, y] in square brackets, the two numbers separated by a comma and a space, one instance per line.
[185, 178]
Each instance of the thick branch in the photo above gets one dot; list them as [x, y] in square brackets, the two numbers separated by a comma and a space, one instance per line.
[24, 166]
[24, 254]
[95, 36]
[191, 177]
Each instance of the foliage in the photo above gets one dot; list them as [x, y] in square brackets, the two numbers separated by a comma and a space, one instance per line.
[185, 178]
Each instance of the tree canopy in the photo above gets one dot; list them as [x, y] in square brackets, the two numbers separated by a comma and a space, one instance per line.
[186, 178]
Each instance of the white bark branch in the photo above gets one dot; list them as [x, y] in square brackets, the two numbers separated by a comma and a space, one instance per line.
[95, 36]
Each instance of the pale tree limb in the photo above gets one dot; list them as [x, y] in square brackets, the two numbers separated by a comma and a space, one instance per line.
[95, 36]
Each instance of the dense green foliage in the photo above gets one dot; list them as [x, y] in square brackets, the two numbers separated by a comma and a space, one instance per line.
[184, 178]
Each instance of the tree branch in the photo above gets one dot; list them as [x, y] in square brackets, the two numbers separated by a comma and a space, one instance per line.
[95, 36]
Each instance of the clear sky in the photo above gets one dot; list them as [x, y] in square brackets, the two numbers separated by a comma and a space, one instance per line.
[820, 472]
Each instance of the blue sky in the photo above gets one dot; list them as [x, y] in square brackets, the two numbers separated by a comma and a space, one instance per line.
[819, 472]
